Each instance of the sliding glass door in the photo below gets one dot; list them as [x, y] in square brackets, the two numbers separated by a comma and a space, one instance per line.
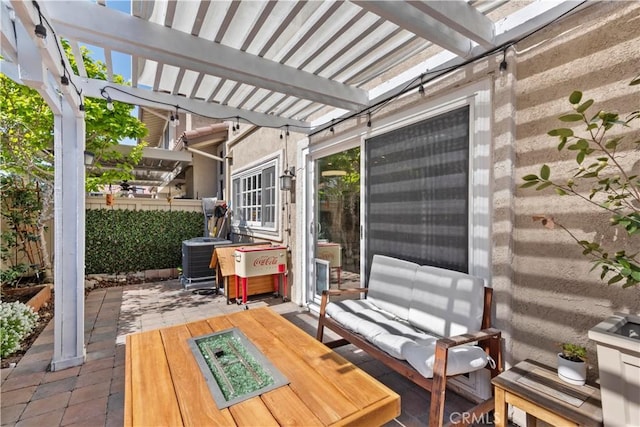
[336, 223]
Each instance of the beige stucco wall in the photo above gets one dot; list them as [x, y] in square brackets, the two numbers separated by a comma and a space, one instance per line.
[544, 293]
[247, 151]
[554, 297]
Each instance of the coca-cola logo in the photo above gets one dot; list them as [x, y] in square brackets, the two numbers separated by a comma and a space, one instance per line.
[265, 260]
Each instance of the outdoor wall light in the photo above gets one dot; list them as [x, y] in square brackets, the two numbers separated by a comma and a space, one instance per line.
[286, 179]
[89, 158]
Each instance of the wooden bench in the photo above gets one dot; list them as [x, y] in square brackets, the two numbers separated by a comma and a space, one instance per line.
[422, 322]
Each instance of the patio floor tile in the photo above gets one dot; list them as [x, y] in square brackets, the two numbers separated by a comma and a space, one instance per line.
[11, 414]
[92, 412]
[17, 381]
[48, 419]
[48, 404]
[96, 365]
[60, 375]
[94, 377]
[54, 387]
[14, 397]
[90, 392]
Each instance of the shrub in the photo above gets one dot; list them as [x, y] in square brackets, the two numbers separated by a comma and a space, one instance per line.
[17, 320]
[121, 241]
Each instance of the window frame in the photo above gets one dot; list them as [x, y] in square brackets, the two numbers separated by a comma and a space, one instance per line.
[478, 97]
[255, 172]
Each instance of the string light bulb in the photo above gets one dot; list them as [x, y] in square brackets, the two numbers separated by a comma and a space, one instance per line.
[421, 88]
[40, 30]
[176, 120]
[106, 96]
[369, 120]
[287, 133]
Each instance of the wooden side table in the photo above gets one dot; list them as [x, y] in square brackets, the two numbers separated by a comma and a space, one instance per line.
[537, 390]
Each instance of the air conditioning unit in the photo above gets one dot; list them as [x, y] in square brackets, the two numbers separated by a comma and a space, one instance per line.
[196, 256]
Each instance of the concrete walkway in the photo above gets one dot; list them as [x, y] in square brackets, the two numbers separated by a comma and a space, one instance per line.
[93, 394]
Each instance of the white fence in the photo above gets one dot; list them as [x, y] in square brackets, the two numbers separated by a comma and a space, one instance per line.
[144, 204]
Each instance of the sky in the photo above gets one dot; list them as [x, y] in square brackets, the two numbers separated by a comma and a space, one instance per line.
[121, 62]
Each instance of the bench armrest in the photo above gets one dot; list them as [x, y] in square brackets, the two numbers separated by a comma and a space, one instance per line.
[344, 291]
[457, 340]
[492, 347]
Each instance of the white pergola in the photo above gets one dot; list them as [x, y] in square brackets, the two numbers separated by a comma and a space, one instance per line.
[302, 65]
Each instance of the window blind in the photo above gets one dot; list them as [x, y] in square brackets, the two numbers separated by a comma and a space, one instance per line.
[417, 190]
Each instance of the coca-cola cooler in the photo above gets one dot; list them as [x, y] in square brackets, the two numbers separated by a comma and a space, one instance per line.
[260, 261]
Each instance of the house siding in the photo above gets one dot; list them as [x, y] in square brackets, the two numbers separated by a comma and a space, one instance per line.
[554, 296]
[265, 143]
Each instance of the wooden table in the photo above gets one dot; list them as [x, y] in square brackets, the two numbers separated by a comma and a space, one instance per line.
[537, 390]
[165, 387]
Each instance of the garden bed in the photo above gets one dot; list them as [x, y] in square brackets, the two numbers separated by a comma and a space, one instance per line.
[45, 314]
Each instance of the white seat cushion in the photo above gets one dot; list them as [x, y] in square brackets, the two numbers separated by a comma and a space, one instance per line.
[460, 360]
[445, 302]
[390, 283]
[401, 340]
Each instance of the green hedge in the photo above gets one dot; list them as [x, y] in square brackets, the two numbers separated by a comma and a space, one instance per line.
[119, 241]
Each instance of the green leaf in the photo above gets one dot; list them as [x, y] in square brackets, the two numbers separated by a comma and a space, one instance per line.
[561, 192]
[530, 177]
[575, 97]
[543, 186]
[529, 184]
[612, 144]
[545, 172]
[583, 144]
[580, 157]
[615, 279]
[570, 118]
[584, 106]
[562, 132]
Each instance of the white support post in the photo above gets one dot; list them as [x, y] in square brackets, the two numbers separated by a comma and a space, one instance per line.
[69, 142]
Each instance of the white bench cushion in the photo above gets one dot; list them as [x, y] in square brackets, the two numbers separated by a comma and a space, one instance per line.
[461, 359]
[401, 340]
[390, 283]
[446, 302]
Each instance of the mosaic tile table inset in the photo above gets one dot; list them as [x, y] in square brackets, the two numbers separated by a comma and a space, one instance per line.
[234, 368]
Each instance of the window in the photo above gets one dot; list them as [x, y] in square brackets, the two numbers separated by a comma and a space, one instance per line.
[254, 197]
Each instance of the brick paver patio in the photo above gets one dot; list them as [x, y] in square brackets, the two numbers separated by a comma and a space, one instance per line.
[93, 394]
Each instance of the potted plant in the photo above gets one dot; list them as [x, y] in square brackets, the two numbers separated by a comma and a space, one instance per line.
[572, 366]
